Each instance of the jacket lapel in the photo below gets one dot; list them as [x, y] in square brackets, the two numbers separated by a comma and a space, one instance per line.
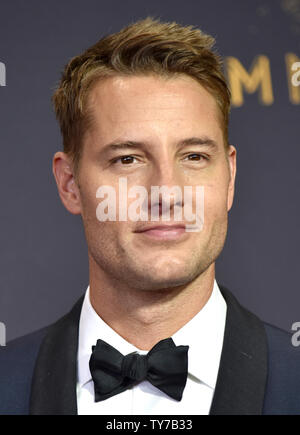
[242, 376]
[53, 389]
[241, 380]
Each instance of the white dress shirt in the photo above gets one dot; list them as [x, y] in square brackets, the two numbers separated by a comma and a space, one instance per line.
[203, 334]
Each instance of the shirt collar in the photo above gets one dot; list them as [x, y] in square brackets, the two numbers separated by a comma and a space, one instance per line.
[203, 334]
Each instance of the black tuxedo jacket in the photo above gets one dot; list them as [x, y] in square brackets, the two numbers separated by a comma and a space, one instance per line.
[259, 370]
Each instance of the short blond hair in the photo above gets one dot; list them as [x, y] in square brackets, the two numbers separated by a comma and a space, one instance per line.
[148, 46]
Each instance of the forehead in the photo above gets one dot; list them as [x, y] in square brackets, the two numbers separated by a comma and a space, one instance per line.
[145, 104]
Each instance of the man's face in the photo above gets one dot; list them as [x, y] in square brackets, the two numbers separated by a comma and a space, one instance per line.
[158, 115]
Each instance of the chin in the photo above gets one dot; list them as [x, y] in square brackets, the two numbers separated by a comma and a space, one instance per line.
[159, 279]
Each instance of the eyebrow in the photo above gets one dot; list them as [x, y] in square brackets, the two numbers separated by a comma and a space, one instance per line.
[204, 140]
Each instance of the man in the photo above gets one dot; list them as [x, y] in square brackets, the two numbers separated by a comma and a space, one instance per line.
[154, 332]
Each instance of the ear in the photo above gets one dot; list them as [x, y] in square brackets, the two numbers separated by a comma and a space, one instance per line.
[231, 156]
[68, 190]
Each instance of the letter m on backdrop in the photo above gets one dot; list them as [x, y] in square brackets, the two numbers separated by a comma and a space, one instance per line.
[259, 78]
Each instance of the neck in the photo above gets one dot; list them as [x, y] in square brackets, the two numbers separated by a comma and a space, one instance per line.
[145, 317]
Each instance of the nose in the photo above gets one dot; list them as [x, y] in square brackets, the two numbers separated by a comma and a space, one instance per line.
[165, 190]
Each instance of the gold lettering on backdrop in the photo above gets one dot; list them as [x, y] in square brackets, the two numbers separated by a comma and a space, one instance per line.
[293, 75]
[259, 78]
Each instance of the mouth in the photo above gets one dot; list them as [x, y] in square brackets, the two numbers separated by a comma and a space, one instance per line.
[163, 232]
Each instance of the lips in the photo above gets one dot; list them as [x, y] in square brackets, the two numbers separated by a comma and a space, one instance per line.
[163, 232]
[164, 227]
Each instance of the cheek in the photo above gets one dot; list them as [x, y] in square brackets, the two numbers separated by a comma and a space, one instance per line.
[89, 205]
[215, 202]
[93, 193]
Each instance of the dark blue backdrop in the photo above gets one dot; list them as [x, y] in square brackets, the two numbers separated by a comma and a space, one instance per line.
[44, 265]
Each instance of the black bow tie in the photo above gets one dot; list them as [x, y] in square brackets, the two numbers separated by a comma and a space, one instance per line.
[165, 366]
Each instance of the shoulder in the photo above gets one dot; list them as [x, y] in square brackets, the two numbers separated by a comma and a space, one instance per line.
[283, 382]
[17, 361]
[283, 354]
[20, 359]
[282, 357]
[281, 349]
[280, 340]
